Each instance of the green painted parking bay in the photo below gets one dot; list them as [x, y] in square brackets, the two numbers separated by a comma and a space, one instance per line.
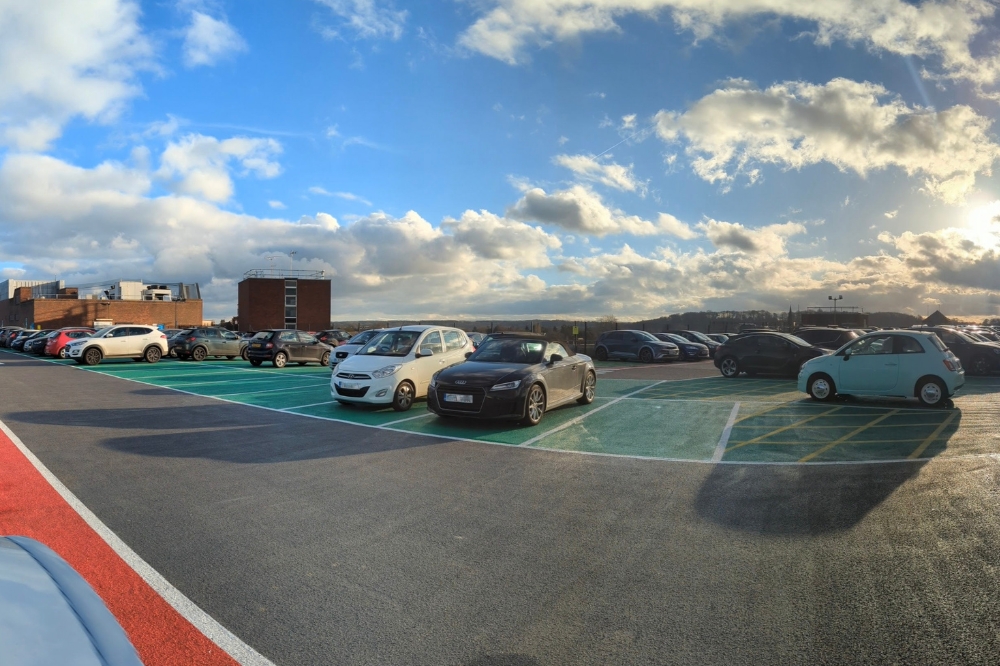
[680, 420]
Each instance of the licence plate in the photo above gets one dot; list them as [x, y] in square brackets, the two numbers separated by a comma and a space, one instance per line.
[352, 386]
[458, 397]
[256, 345]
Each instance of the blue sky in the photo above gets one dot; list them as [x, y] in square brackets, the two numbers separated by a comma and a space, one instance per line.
[510, 157]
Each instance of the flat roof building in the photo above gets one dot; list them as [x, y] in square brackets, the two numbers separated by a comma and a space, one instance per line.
[276, 298]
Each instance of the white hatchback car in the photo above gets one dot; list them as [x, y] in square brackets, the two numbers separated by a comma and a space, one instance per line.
[142, 343]
[396, 365]
[903, 364]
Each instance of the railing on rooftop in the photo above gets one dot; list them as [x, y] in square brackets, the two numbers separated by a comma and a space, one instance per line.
[283, 273]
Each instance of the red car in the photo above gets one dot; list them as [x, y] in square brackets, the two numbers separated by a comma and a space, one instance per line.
[56, 346]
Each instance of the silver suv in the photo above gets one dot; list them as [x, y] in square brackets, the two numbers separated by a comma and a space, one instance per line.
[142, 343]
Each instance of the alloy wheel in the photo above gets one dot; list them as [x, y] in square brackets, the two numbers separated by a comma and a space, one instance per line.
[402, 400]
[535, 408]
[280, 359]
[730, 367]
[199, 354]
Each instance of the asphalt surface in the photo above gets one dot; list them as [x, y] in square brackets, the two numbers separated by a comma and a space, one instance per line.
[321, 543]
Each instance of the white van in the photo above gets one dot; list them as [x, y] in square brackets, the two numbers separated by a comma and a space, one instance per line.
[395, 366]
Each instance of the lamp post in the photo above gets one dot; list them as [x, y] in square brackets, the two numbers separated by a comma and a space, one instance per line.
[835, 299]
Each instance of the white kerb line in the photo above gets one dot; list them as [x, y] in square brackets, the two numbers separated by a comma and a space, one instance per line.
[573, 422]
[720, 449]
[202, 621]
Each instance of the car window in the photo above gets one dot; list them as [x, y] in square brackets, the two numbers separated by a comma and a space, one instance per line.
[616, 335]
[770, 343]
[646, 337]
[390, 343]
[506, 350]
[555, 348]
[307, 338]
[229, 335]
[114, 332]
[904, 344]
[950, 338]
[873, 344]
[288, 336]
[433, 342]
[454, 340]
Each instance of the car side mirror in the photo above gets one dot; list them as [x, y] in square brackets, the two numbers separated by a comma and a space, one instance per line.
[425, 351]
[468, 354]
[847, 356]
[555, 358]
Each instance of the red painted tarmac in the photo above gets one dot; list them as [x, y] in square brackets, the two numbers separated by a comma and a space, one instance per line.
[30, 507]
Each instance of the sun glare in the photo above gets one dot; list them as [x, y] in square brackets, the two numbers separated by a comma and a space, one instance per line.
[983, 225]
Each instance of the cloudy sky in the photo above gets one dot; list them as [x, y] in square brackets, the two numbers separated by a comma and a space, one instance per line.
[499, 158]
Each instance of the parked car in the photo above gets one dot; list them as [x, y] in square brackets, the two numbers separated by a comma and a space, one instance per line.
[174, 338]
[827, 337]
[630, 345]
[35, 342]
[7, 334]
[475, 338]
[18, 339]
[281, 346]
[333, 337]
[513, 376]
[352, 346]
[395, 367]
[978, 358]
[692, 351]
[57, 340]
[51, 615]
[903, 364]
[198, 344]
[765, 353]
[701, 338]
[721, 338]
[142, 343]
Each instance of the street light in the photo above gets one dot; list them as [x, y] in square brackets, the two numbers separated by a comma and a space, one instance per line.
[835, 299]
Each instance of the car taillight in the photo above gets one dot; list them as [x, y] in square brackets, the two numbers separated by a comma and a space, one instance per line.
[948, 364]
[192, 339]
[162, 336]
[269, 345]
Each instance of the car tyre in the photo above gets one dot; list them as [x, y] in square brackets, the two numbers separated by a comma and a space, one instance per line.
[244, 355]
[589, 388]
[92, 356]
[230, 358]
[325, 359]
[153, 354]
[255, 362]
[729, 367]
[601, 354]
[199, 354]
[403, 397]
[980, 365]
[932, 392]
[280, 360]
[534, 405]
[645, 355]
[63, 353]
[821, 388]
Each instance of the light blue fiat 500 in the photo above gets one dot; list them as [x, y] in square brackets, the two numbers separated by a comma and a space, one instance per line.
[903, 364]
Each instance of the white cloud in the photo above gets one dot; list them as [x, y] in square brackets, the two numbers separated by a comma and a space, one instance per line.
[580, 209]
[628, 122]
[276, 205]
[316, 189]
[367, 19]
[332, 132]
[591, 168]
[563, 140]
[938, 31]
[63, 59]
[891, 213]
[349, 196]
[199, 165]
[768, 240]
[494, 237]
[854, 126]
[669, 224]
[209, 40]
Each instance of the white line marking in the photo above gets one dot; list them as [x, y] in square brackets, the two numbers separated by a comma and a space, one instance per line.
[411, 418]
[572, 422]
[724, 439]
[201, 620]
[305, 387]
[315, 404]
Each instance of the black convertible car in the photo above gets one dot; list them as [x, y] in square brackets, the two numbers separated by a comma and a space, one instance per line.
[513, 376]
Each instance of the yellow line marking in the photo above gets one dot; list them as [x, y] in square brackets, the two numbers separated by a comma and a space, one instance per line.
[856, 431]
[756, 440]
[751, 416]
[934, 435]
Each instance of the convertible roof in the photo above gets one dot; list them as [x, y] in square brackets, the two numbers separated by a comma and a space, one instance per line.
[525, 335]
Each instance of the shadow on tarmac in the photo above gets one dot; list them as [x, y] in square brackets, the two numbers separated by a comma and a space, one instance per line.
[224, 433]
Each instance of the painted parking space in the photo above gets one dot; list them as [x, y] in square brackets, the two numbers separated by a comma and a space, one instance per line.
[746, 420]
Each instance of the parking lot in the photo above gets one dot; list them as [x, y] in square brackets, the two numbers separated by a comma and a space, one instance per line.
[364, 541]
[667, 415]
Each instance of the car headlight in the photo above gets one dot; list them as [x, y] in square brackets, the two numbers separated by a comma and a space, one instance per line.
[506, 386]
[386, 371]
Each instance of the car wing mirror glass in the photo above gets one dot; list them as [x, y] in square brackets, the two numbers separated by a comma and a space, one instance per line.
[426, 351]
[555, 359]
[468, 354]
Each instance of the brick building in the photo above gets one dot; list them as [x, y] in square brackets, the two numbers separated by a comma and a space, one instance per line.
[275, 298]
[53, 305]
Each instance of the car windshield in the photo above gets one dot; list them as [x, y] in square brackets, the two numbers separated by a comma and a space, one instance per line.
[678, 338]
[361, 338]
[701, 337]
[500, 350]
[391, 343]
[263, 335]
[101, 331]
[648, 337]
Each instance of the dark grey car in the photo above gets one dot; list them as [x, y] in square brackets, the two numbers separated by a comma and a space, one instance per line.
[200, 343]
[639, 345]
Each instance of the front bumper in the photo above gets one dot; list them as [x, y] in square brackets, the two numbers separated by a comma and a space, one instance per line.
[695, 354]
[362, 388]
[75, 352]
[485, 404]
[667, 355]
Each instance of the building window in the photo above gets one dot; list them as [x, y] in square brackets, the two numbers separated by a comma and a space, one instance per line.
[291, 301]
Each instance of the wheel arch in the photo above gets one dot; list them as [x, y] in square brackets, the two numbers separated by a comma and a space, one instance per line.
[920, 382]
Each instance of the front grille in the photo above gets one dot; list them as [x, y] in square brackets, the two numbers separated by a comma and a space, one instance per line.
[341, 354]
[352, 393]
[478, 397]
[352, 375]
